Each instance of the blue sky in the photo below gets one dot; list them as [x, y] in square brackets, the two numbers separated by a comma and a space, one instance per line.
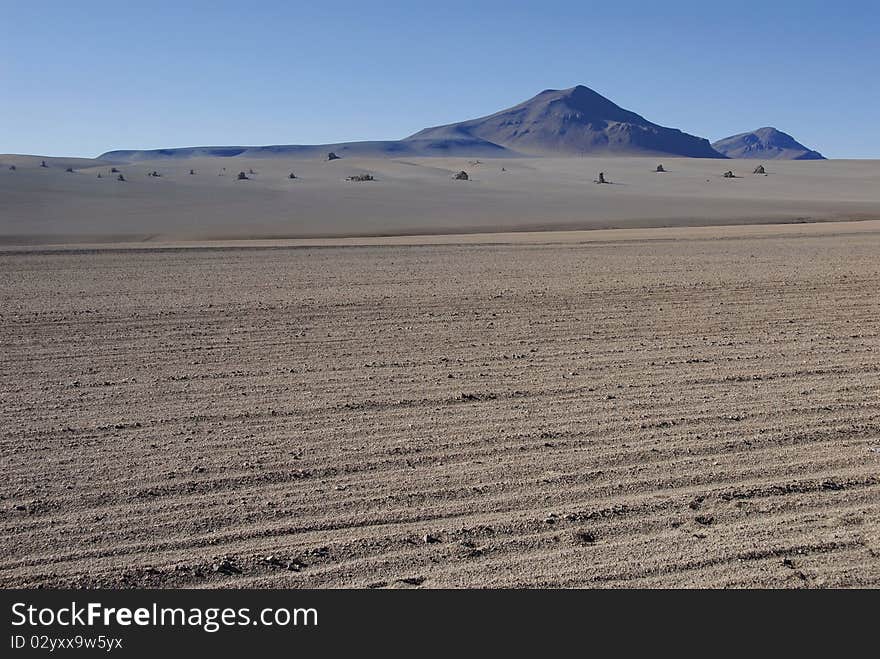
[80, 78]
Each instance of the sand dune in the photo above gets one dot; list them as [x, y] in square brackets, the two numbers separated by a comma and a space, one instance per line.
[413, 196]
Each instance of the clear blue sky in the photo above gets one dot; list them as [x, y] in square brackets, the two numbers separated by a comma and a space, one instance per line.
[80, 78]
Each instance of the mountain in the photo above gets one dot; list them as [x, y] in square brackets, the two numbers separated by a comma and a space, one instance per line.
[765, 144]
[460, 147]
[567, 122]
[573, 122]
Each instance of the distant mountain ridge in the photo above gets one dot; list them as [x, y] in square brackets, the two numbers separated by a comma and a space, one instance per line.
[766, 143]
[557, 122]
[376, 149]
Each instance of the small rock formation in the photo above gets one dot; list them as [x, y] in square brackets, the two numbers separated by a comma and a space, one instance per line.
[462, 176]
[227, 567]
[660, 168]
[361, 177]
[584, 537]
[242, 176]
[729, 174]
[759, 170]
[332, 156]
[120, 178]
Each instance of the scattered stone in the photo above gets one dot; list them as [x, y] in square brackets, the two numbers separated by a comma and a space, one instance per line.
[461, 176]
[227, 567]
[471, 548]
[412, 581]
[429, 539]
[705, 520]
[584, 537]
[332, 156]
[759, 170]
[120, 178]
[243, 177]
[729, 174]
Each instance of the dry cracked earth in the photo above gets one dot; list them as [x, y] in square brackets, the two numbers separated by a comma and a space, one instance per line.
[696, 412]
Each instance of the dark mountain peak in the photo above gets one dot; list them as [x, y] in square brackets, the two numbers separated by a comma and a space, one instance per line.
[576, 94]
[585, 102]
[766, 143]
[574, 121]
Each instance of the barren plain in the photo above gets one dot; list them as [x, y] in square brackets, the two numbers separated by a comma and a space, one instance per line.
[412, 196]
[656, 407]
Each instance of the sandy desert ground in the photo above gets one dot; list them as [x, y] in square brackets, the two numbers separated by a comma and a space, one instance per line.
[413, 196]
[656, 407]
